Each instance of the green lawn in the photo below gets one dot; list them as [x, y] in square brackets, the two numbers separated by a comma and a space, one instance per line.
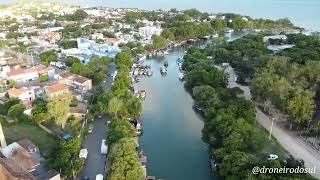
[16, 131]
[271, 147]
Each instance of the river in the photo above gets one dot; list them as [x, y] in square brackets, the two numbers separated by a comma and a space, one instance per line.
[172, 130]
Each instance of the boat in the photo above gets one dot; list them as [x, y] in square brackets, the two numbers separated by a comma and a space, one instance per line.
[181, 76]
[165, 64]
[163, 70]
[143, 94]
[142, 158]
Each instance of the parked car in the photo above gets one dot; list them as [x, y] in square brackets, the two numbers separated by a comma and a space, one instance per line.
[272, 157]
[65, 137]
[99, 177]
[83, 154]
[90, 129]
[104, 147]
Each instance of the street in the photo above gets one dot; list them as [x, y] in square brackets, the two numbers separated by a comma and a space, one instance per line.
[96, 162]
[291, 143]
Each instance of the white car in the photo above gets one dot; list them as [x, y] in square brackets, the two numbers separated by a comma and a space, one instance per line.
[99, 177]
[83, 154]
[272, 157]
[104, 147]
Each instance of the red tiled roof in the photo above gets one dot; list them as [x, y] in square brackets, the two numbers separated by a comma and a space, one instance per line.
[66, 74]
[16, 72]
[15, 92]
[11, 170]
[24, 159]
[56, 88]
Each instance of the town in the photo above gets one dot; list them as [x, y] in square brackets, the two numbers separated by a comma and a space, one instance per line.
[68, 101]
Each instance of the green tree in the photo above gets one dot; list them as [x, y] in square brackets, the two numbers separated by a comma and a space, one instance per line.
[119, 129]
[301, 108]
[159, 42]
[205, 96]
[47, 57]
[16, 111]
[115, 106]
[43, 78]
[4, 108]
[238, 23]
[58, 110]
[125, 163]
[66, 158]
[166, 33]
[39, 110]
[124, 59]
[70, 60]
[66, 44]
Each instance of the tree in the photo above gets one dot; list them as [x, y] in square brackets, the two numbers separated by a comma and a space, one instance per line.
[16, 111]
[70, 60]
[238, 23]
[78, 15]
[58, 110]
[124, 59]
[66, 44]
[236, 165]
[66, 158]
[47, 57]
[39, 110]
[159, 42]
[43, 78]
[115, 105]
[7, 105]
[119, 129]
[301, 108]
[166, 33]
[125, 162]
[205, 96]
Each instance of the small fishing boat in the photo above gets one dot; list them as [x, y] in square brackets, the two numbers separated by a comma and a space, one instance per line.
[181, 76]
[163, 71]
[165, 64]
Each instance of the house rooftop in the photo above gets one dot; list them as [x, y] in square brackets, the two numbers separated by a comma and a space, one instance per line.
[24, 159]
[10, 169]
[78, 110]
[16, 72]
[80, 79]
[66, 74]
[56, 87]
[27, 144]
[17, 92]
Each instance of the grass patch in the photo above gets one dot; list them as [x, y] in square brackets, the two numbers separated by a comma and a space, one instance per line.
[17, 131]
[271, 146]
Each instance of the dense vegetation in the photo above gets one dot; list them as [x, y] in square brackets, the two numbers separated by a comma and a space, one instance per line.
[192, 23]
[122, 105]
[230, 128]
[96, 69]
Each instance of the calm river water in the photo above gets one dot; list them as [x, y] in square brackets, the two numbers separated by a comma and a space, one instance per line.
[172, 130]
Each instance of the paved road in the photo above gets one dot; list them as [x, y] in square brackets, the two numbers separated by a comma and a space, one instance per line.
[291, 143]
[96, 162]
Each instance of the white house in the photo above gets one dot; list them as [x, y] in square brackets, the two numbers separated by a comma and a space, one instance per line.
[24, 93]
[23, 75]
[150, 30]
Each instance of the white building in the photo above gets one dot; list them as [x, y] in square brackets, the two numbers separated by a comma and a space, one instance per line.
[148, 31]
[24, 93]
[22, 75]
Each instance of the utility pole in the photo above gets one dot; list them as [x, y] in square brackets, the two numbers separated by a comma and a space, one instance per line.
[271, 128]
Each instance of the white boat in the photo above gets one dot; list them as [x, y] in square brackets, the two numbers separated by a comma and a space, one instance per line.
[181, 76]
